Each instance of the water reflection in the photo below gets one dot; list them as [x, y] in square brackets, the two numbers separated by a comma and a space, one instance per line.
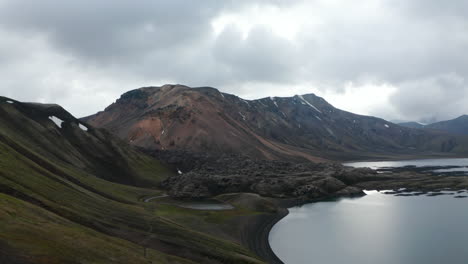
[402, 163]
[377, 228]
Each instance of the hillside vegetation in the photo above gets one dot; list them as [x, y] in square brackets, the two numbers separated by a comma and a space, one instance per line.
[70, 193]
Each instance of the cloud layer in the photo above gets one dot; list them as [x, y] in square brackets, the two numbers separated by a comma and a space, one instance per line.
[396, 59]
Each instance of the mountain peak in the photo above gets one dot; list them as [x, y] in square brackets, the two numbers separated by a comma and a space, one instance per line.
[302, 127]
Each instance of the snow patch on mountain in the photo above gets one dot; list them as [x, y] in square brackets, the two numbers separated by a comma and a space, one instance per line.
[82, 127]
[56, 120]
[271, 98]
[309, 104]
[243, 116]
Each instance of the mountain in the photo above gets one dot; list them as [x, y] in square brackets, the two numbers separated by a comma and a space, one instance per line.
[458, 125]
[412, 125]
[302, 127]
[71, 193]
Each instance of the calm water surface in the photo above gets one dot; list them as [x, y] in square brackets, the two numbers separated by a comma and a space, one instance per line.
[460, 163]
[210, 206]
[377, 228]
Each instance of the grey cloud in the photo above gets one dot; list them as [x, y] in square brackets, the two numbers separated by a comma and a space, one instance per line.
[433, 9]
[261, 56]
[53, 49]
[102, 30]
[391, 50]
[436, 98]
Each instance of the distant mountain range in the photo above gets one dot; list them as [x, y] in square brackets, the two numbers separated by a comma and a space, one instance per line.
[300, 127]
[458, 125]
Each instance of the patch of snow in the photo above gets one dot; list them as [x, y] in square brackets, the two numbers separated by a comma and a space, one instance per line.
[299, 125]
[10, 102]
[330, 131]
[245, 102]
[318, 118]
[283, 113]
[354, 121]
[309, 104]
[162, 132]
[83, 127]
[221, 94]
[56, 120]
[387, 126]
[271, 98]
[243, 116]
[179, 172]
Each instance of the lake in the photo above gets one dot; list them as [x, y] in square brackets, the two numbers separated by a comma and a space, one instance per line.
[451, 165]
[377, 228]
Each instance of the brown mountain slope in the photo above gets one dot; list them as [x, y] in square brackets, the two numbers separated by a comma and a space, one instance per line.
[300, 127]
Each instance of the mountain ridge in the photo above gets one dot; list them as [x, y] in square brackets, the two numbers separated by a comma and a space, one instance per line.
[458, 125]
[301, 127]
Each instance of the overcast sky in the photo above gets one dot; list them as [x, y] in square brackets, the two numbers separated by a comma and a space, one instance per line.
[397, 59]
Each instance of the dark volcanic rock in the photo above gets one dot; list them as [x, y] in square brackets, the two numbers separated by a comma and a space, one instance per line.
[208, 176]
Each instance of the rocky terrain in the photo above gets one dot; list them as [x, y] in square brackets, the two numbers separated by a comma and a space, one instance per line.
[275, 179]
[299, 128]
[205, 175]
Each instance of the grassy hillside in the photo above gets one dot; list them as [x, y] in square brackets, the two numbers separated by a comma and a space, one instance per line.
[71, 194]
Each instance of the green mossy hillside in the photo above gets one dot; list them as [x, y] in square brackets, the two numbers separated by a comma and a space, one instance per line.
[73, 195]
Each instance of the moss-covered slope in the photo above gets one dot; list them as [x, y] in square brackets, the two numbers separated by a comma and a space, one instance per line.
[70, 194]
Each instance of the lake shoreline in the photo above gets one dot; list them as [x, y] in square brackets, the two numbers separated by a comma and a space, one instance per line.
[256, 234]
[299, 239]
[405, 157]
